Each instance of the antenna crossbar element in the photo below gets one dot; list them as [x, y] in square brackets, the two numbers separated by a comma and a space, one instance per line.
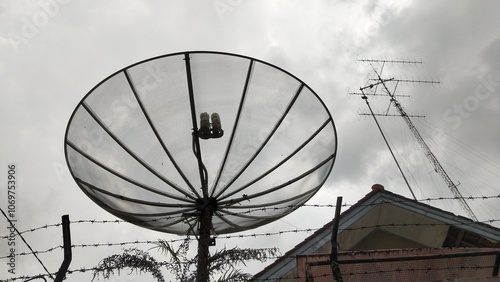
[418, 81]
[411, 81]
[389, 115]
[375, 94]
[389, 61]
[427, 151]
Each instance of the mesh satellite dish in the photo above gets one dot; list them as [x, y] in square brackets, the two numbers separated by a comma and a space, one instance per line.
[161, 141]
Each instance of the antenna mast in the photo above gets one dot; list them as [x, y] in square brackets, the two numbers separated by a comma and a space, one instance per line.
[427, 151]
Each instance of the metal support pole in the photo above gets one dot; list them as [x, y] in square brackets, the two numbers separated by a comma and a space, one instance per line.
[333, 255]
[67, 249]
[205, 205]
[202, 274]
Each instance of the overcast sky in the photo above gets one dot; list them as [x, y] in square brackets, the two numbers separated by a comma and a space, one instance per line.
[53, 52]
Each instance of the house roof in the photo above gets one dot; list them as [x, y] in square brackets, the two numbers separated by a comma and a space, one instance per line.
[377, 196]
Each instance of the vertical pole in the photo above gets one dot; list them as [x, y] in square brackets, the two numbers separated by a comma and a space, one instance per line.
[67, 249]
[202, 274]
[333, 255]
[204, 204]
[496, 266]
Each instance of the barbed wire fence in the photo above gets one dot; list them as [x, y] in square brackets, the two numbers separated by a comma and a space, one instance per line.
[235, 236]
[345, 274]
[249, 211]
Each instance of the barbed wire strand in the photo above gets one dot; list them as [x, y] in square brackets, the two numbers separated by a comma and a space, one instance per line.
[25, 242]
[255, 235]
[95, 221]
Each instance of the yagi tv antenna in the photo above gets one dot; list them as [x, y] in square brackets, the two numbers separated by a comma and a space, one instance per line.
[200, 143]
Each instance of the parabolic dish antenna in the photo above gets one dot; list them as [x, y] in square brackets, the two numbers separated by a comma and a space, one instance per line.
[157, 142]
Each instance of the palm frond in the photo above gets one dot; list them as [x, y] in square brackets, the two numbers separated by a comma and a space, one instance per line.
[234, 275]
[134, 259]
[221, 264]
[226, 259]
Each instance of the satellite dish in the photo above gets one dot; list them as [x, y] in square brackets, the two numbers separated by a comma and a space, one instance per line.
[158, 141]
